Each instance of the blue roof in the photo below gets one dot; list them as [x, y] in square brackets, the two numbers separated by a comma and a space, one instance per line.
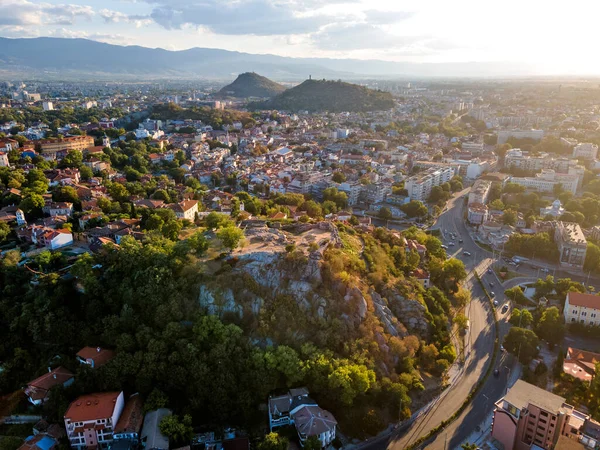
[46, 443]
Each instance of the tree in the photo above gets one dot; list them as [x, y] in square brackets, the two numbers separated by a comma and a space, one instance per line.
[273, 441]
[550, 327]
[338, 177]
[461, 321]
[73, 158]
[469, 446]
[32, 204]
[180, 432]
[414, 209]
[4, 231]
[312, 208]
[385, 213]
[197, 243]
[509, 217]
[522, 343]
[215, 220]
[312, 443]
[230, 236]
[516, 295]
[497, 205]
[85, 172]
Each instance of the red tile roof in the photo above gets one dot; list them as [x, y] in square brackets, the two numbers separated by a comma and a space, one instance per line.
[38, 388]
[99, 355]
[132, 416]
[92, 407]
[584, 300]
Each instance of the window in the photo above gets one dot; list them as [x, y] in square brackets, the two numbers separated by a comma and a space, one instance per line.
[593, 314]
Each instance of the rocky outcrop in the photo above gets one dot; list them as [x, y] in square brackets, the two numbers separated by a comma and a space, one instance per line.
[412, 313]
[385, 315]
[357, 302]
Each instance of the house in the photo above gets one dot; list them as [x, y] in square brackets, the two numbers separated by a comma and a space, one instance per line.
[90, 419]
[580, 364]
[94, 356]
[59, 209]
[40, 441]
[37, 390]
[582, 308]
[151, 437]
[278, 216]
[298, 409]
[127, 432]
[186, 209]
[422, 277]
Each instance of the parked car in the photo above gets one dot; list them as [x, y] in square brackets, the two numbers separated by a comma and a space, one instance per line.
[502, 349]
[491, 284]
[505, 308]
[451, 244]
[467, 253]
[495, 302]
[445, 247]
[489, 271]
[492, 294]
[460, 241]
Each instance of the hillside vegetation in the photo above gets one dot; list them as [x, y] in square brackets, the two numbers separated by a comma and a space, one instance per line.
[334, 96]
[251, 84]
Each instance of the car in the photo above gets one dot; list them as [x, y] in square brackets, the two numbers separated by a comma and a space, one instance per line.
[451, 244]
[502, 349]
[545, 270]
[460, 241]
[496, 373]
[495, 302]
[492, 294]
[467, 253]
[445, 247]
[489, 271]
[512, 263]
[491, 284]
[505, 308]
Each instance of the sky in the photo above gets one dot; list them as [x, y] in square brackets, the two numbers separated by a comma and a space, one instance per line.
[557, 37]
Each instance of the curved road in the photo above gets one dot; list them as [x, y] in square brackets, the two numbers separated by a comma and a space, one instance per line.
[478, 351]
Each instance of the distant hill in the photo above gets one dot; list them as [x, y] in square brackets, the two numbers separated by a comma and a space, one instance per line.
[61, 58]
[323, 95]
[251, 84]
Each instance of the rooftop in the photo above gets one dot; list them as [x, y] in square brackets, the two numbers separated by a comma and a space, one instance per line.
[523, 394]
[584, 300]
[92, 407]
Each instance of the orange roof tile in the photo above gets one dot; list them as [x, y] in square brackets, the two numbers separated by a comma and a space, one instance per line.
[92, 407]
[584, 300]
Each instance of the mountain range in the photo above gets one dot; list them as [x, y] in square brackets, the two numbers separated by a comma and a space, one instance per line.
[46, 57]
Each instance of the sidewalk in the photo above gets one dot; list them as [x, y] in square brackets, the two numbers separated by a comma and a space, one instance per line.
[480, 437]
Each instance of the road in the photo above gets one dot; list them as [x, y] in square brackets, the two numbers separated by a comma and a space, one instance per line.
[478, 350]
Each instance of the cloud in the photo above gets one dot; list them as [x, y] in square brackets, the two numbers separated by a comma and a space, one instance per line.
[110, 16]
[234, 17]
[378, 17]
[26, 13]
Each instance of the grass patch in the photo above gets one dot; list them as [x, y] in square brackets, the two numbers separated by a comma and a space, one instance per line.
[351, 244]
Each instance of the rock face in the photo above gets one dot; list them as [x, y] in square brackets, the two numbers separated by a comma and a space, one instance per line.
[412, 313]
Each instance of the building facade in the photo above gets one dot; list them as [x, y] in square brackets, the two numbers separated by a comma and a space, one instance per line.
[582, 308]
[571, 243]
[419, 186]
[90, 419]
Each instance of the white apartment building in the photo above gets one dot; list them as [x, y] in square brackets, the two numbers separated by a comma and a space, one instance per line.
[47, 106]
[419, 186]
[352, 190]
[547, 179]
[477, 213]
[480, 192]
[571, 243]
[585, 151]
[517, 158]
[504, 135]
[90, 419]
[582, 308]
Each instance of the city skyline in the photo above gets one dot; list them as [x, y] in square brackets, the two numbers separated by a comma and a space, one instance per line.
[556, 41]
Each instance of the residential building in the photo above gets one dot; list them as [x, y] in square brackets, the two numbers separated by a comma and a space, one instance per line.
[151, 437]
[298, 409]
[419, 186]
[523, 160]
[58, 148]
[582, 308]
[94, 356]
[477, 213]
[40, 441]
[58, 209]
[186, 209]
[571, 243]
[580, 364]
[47, 106]
[480, 192]
[90, 419]
[126, 434]
[4, 160]
[422, 277]
[45, 237]
[585, 151]
[529, 417]
[37, 390]
[504, 135]
[547, 180]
